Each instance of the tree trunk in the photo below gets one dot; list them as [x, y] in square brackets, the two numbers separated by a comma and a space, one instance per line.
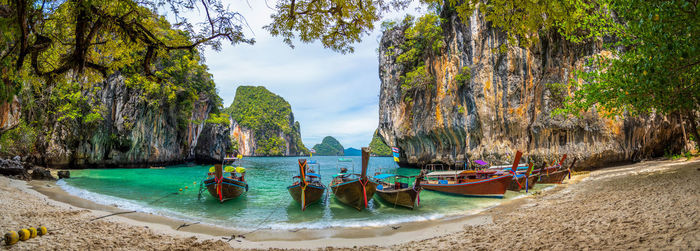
[685, 138]
[694, 128]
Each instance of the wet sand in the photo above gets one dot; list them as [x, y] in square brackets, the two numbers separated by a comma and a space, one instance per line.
[652, 204]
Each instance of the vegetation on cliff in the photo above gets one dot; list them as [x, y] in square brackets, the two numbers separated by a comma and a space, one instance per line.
[648, 60]
[329, 147]
[421, 40]
[378, 146]
[62, 92]
[660, 63]
[267, 115]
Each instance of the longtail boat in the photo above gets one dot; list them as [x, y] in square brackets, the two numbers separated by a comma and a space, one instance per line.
[524, 176]
[399, 193]
[488, 183]
[229, 187]
[354, 189]
[308, 188]
[555, 174]
[525, 180]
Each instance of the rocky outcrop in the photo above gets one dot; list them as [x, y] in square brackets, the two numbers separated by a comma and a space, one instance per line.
[244, 138]
[14, 168]
[40, 173]
[63, 174]
[506, 105]
[212, 143]
[262, 124]
[133, 132]
[248, 145]
[10, 114]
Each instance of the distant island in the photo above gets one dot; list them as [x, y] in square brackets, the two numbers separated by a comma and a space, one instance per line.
[329, 147]
[353, 152]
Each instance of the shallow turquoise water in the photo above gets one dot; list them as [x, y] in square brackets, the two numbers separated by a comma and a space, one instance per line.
[266, 204]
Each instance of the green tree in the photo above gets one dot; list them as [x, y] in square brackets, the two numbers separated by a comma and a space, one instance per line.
[653, 65]
[337, 24]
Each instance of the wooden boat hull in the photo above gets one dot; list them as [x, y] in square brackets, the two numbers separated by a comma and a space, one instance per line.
[492, 187]
[402, 197]
[513, 185]
[312, 193]
[230, 188]
[350, 193]
[553, 178]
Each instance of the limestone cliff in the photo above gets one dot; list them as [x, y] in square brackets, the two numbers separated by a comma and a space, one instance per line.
[506, 104]
[133, 132]
[262, 124]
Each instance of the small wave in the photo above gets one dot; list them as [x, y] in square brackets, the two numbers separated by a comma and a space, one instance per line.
[142, 207]
[104, 199]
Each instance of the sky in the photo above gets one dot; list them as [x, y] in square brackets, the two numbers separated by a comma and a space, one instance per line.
[331, 94]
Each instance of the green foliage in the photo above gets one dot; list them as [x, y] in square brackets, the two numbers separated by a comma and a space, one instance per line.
[422, 39]
[73, 104]
[378, 146]
[177, 79]
[88, 39]
[660, 62]
[20, 140]
[271, 146]
[336, 24]
[464, 75]
[522, 20]
[329, 147]
[234, 145]
[221, 118]
[460, 109]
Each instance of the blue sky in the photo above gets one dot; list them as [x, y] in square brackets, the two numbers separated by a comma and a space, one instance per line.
[330, 93]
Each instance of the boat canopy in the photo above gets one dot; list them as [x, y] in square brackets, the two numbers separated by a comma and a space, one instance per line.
[313, 175]
[384, 176]
[344, 160]
[522, 166]
[444, 173]
[481, 162]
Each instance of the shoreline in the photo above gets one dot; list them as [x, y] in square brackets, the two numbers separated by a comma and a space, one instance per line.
[281, 238]
[163, 230]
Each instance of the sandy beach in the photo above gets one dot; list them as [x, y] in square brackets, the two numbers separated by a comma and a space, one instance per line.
[648, 205]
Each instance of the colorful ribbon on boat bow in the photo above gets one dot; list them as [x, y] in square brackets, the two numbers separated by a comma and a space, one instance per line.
[515, 177]
[218, 187]
[364, 192]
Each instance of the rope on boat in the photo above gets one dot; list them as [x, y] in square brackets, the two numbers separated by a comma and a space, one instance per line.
[117, 213]
[364, 192]
[163, 197]
[259, 224]
[186, 225]
[201, 188]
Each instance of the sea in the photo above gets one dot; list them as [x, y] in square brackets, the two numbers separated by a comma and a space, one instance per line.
[174, 191]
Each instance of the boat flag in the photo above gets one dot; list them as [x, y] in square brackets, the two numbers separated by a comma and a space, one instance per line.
[311, 152]
[395, 153]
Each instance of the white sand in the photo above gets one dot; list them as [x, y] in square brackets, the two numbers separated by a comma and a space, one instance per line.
[650, 205]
